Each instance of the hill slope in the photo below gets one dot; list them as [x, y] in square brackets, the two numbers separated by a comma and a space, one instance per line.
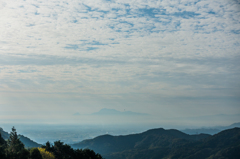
[225, 144]
[150, 139]
[160, 143]
[25, 140]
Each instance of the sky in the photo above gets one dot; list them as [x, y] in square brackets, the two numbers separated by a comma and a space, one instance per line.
[172, 59]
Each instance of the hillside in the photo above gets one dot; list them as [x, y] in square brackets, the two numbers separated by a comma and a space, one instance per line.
[160, 143]
[225, 144]
[4, 134]
[25, 140]
[151, 139]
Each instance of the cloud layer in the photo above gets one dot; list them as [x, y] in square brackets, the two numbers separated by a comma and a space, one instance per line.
[168, 57]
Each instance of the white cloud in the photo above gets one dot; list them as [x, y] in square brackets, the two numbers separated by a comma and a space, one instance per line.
[119, 47]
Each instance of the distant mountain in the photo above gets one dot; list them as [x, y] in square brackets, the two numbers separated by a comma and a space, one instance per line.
[106, 111]
[211, 130]
[160, 143]
[107, 145]
[234, 125]
[4, 134]
[25, 140]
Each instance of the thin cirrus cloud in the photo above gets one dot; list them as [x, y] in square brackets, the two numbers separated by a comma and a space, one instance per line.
[164, 54]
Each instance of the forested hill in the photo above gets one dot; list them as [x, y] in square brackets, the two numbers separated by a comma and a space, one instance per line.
[151, 139]
[160, 143]
[25, 140]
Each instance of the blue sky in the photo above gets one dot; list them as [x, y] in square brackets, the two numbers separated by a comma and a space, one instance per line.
[167, 58]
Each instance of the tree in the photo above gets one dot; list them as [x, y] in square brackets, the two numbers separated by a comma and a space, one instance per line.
[23, 154]
[15, 148]
[2, 141]
[45, 154]
[64, 151]
[3, 145]
[35, 154]
[91, 154]
[48, 147]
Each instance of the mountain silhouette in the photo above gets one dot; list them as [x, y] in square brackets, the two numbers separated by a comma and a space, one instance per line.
[106, 111]
[211, 130]
[107, 144]
[160, 143]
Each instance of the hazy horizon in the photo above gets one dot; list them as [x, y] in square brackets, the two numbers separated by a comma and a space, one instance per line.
[177, 61]
[75, 133]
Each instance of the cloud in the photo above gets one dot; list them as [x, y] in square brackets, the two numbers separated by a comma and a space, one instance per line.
[131, 50]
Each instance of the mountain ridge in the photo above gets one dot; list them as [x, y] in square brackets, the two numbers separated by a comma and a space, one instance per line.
[140, 140]
[210, 130]
[161, 143]
[106, 111]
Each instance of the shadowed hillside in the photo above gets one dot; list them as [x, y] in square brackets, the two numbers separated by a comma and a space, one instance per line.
[25, 140]
[160, 143]
[150, 139]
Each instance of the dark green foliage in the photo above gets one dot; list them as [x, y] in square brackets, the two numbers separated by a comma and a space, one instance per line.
[15, 148]
[64, 151]
[23, 154]
[87, 153]
[48, 147]
[35, 154]
[2, 141]
[3, 145]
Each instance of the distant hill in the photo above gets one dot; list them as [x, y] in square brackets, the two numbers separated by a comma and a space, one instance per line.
[160, 143]
[28, 142]
[151, 139]
[211, 130]
[106, 111]
[234, 125]
[25, 140]
[4, 134]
